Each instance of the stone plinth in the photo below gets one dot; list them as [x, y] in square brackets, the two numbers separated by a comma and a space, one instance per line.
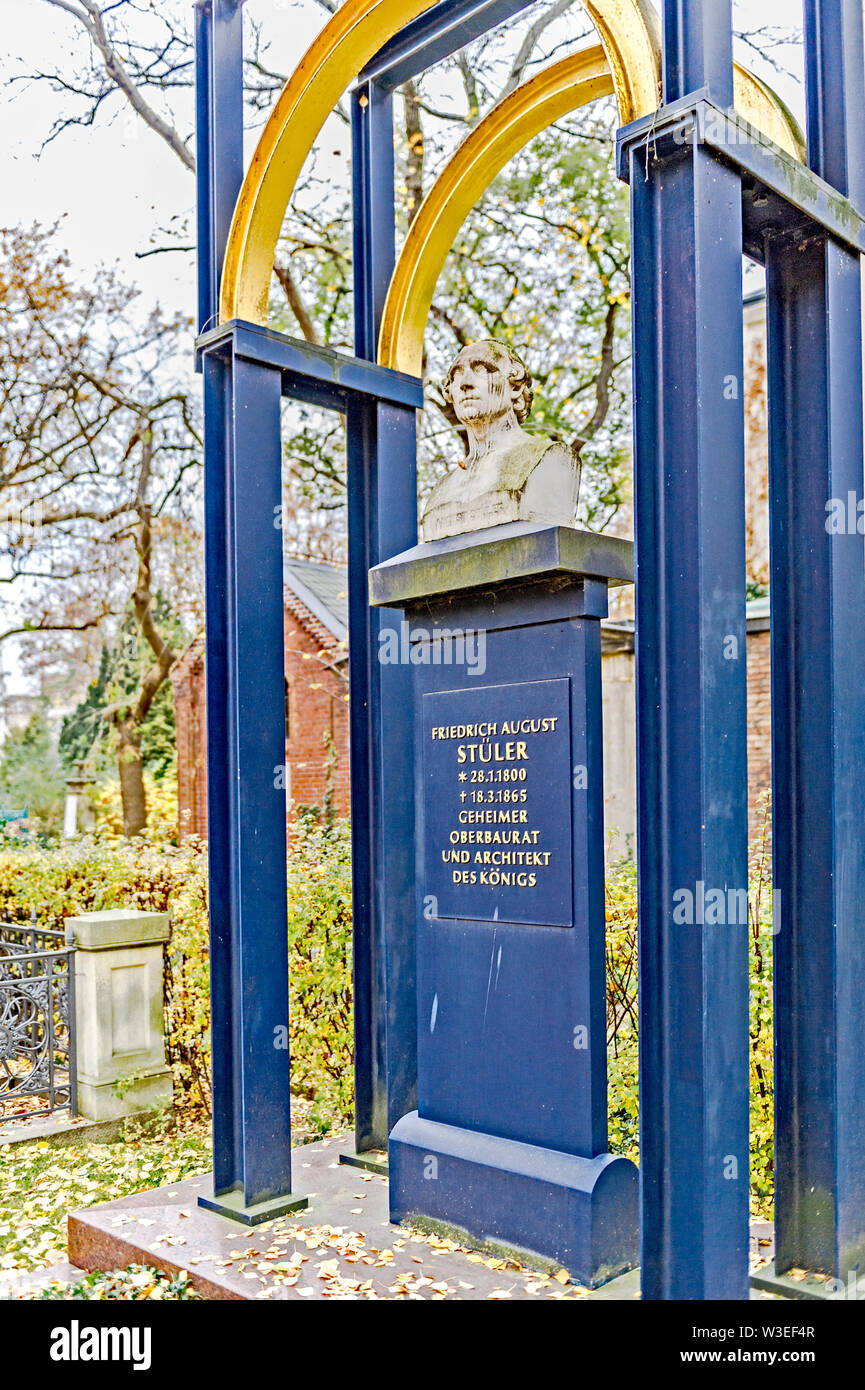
[342, 1247]
[509, 1137]
[119, 1012]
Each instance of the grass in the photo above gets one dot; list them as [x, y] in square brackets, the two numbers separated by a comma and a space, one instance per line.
[39, 1184]
[132, 1284]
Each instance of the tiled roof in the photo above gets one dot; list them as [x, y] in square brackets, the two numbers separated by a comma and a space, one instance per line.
[324, 591]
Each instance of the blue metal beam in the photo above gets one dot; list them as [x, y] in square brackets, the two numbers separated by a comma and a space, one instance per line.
[203, 164]
[368, 947]
[373, 260]
[217, 394]
[818, 682]
[373, 210]
[818, 717]
[226, 136]
[219, 140]
[698, 49]
[245, 684]
[395, 530]
[246, 797]
[691, 724]
[382, 503]
[835, 95]
[787, 196]
[435, 35]
[316, 374]
[382, 521]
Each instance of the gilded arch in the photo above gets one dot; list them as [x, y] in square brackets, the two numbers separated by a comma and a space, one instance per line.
[524, 113]
[572, 82]
[627, 29]
[626, 64]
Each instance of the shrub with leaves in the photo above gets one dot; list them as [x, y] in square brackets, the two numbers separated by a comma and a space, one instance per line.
[320, 972]
[622, 1017]
[762, 1033]
[622, 1049]
[91, 874]
[94, 873]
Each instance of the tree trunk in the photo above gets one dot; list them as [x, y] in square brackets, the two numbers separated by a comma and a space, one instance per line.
[131, 770]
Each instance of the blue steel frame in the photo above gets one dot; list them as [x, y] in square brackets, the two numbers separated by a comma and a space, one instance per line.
[701, 194]
[702, 191]
[818, 681]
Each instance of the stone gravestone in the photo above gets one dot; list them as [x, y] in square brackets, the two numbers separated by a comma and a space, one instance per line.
[502, 625]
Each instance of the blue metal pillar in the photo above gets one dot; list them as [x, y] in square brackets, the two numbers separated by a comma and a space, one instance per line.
[246, 797]
[396, 529]
[818, 713]
[818, 684]
[698, 50]
[203, 169]
[245, 690]
[382, 521]
[691, 714]
[835, 95]
[219, 140]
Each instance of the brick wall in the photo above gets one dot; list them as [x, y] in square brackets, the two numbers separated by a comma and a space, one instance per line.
[759, 729]
[317, 710]
[317, 715]
[619, 694]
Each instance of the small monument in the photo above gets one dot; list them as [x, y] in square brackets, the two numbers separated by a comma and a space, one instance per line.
[509, 1140]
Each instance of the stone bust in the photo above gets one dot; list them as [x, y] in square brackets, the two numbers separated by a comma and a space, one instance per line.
[508, 474]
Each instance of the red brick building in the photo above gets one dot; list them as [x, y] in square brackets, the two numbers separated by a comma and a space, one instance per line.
[316, 700]
[620, 733]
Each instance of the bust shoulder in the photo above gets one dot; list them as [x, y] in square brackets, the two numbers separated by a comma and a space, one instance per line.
[523, 459]
[534, 478]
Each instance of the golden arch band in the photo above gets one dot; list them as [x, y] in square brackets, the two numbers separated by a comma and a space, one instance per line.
[625, 64]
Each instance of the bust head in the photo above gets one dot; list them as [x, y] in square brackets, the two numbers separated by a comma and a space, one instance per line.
[508, 474]
[489, 391]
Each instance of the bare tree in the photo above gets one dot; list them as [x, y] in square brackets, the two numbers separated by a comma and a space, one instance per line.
[100, 464]
[128, 716]
[143, 55]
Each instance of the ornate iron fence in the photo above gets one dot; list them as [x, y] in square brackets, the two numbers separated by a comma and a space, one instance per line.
[37, 1021]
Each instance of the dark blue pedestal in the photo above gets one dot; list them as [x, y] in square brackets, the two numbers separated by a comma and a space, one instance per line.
[582, 1212]
[509, 1138]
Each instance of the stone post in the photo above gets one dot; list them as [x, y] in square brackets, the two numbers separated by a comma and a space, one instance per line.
[118, 1012]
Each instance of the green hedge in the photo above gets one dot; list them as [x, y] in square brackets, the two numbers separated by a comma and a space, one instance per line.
[622, 1019]
[92, 874]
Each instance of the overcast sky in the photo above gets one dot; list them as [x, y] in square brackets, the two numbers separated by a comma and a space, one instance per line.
[116, 184]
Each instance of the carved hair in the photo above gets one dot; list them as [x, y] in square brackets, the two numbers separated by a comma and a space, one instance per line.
[519, 377]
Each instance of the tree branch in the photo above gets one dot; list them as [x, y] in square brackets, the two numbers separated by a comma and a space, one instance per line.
[296, 304]
[529, 43]
[605, 372]
[91, 17]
